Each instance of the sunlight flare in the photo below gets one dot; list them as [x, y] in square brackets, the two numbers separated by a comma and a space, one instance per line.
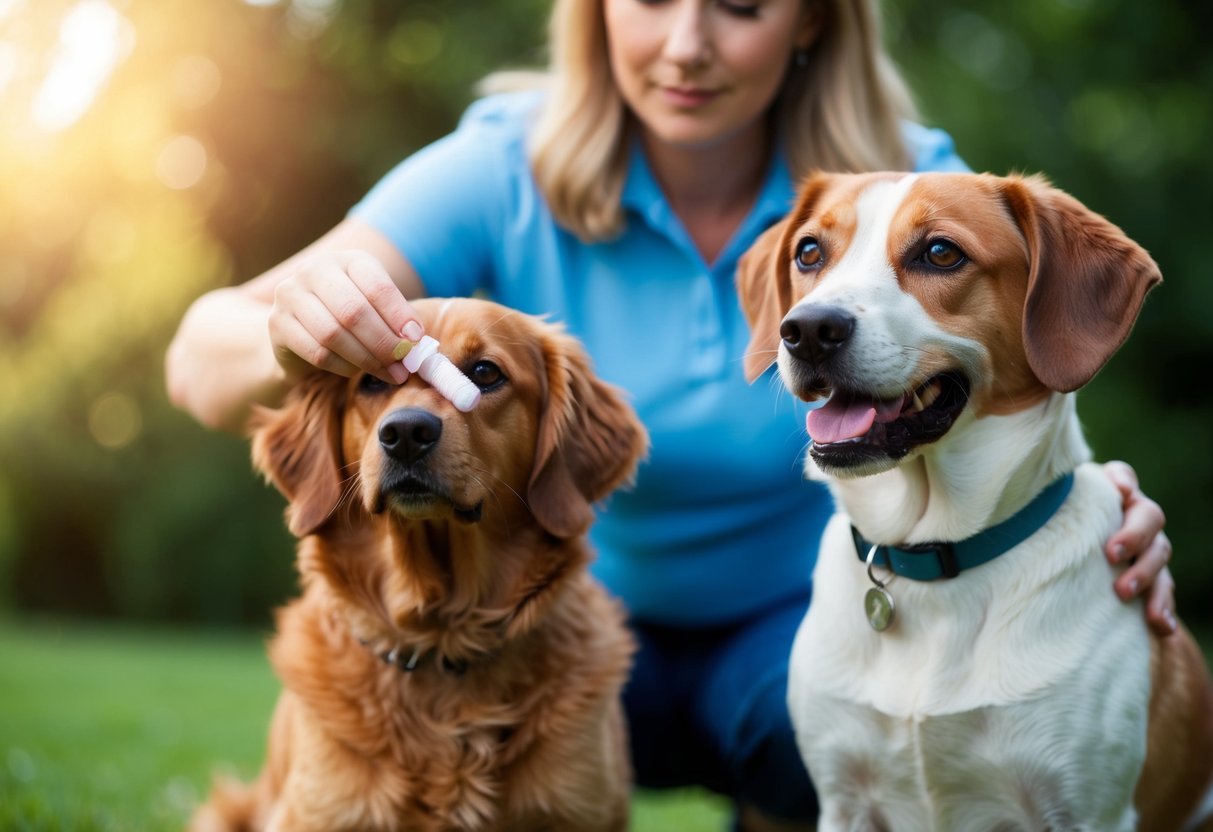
[181, 162]
[93, 39]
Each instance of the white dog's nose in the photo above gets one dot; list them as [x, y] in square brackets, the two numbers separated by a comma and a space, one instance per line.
[814, 332]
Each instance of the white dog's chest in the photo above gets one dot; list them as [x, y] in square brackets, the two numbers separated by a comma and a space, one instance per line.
[1010, 767]
[999, 700]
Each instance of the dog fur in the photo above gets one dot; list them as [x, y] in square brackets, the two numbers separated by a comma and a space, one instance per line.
[1022, 694]
[465, 550]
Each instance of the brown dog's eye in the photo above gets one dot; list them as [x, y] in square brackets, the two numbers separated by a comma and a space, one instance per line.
[808, 254]
[943, 255]
[371, 384]
[486, 375]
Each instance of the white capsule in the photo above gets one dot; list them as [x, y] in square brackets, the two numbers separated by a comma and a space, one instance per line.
[422, 350]
[437, 370]
[447, 379]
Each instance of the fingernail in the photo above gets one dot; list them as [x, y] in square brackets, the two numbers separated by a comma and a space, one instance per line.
[402, 349]
[1118, 553]
[1133, 584]
[413, 331]
[1169, 617]
[398, 373]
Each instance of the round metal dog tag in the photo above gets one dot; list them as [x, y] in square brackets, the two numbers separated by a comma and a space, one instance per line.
[878, 605]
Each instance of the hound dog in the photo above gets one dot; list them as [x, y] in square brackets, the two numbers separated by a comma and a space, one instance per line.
[965, 664]
[450, 665]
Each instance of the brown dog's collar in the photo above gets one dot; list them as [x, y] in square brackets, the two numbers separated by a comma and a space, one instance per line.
[407, 660]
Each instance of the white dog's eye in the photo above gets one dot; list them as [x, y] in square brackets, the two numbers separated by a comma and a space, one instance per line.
[943, 254]
[808, 254]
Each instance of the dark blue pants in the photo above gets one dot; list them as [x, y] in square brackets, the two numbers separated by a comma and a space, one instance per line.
[709, 708]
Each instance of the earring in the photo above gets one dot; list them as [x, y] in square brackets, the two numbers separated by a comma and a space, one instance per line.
[800, 58]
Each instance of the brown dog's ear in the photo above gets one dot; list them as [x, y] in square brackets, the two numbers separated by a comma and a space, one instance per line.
[1086, 283]
[297, 448]
[589, 442]
[764, 286]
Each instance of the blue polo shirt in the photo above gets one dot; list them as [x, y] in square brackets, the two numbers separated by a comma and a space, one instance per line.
[721, 522]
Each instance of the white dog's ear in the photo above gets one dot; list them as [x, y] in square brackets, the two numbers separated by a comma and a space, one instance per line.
[764, 286]
[1086, 284]
[297, 448]
[764, 279]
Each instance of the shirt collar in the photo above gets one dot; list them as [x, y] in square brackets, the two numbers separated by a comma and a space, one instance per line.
[642, 195]
[777, 194]
[774, 200]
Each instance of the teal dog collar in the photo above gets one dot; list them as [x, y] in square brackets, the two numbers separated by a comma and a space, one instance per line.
[932, 561]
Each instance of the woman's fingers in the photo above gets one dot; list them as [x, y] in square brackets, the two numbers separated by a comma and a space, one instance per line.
[1144, 546]
[1149, 574]
[1145, 568]
[368, 305]
[385, 298]
[298, 351]
[302, 324]
[347, 309]
[1143, 519]
[1160, 605]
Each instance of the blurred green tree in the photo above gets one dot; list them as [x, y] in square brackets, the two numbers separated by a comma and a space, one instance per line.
[230, 133]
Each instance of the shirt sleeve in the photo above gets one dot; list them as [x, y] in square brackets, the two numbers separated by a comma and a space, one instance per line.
[932, 150]
[445, 205]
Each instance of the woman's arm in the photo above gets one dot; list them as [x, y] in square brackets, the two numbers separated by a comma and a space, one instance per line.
[339, 305]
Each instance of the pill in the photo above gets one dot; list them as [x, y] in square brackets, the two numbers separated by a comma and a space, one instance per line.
[436, 369]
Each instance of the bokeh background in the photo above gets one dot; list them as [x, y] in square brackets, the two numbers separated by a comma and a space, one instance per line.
[153, 149]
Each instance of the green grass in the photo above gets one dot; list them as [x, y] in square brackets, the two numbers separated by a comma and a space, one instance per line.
[112, 729]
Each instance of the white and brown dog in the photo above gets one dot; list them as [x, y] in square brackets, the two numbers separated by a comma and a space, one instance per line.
[965, 664]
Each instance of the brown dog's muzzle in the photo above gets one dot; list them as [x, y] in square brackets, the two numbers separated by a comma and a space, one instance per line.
[408, 434]
[409, 479]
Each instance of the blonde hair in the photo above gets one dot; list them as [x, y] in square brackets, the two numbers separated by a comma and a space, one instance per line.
[840, 109]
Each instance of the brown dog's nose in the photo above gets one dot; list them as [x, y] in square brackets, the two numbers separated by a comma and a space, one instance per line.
[814, 332]
[409, 433]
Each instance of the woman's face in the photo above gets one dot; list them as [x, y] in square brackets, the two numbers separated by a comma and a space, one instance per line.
[696, 72]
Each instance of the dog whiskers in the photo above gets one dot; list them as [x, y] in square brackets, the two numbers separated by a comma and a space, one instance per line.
[348, 487]
[492, 492]
[496, 478]
[774, 354]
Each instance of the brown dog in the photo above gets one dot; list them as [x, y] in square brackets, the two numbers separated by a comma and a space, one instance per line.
[450, 664]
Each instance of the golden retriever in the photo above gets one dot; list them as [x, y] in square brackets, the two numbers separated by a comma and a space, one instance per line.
[451, 664]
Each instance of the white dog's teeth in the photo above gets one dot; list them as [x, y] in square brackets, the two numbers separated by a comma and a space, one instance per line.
[917, 406]
[929, 395]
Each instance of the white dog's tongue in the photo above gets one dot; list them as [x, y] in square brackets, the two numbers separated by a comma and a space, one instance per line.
[846, 418]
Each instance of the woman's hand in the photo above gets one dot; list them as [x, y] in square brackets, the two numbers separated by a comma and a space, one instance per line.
[1141, 542]
[341, 312]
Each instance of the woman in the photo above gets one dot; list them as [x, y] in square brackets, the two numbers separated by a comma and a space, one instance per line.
[618, 199]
